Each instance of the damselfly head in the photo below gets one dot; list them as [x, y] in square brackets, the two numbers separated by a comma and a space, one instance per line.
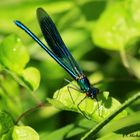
[93, 93]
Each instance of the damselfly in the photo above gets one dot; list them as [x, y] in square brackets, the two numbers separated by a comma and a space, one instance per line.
[59, 52]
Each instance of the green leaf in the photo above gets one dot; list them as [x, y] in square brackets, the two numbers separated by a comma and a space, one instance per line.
[24, 133]
[90, 108]
[99, 126]
[59, 133]
[8, 135]
[120, 127]
[13, 55]
[118, 24]
[6, 123]
[31, 77]
[124, 125]
[9, 96]
[71, 130]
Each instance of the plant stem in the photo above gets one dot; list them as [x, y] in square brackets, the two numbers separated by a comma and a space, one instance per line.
[98, 127]
[28, 111]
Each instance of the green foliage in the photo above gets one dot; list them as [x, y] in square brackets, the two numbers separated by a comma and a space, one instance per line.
[13, 54]
[14, 57]
[118, 24]
[92, 109]
[122, 28]
[32, 76]
[6, 123]
[104, 37]
[10, 132]
[24, 133]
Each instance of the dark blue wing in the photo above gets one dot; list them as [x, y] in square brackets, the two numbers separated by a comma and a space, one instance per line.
[22, 26]
[56, 43]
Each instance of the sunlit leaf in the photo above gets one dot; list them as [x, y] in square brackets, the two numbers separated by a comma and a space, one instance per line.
[116, 26]
[31, 76]
[13, 54]
[24, 133]
[90, 108]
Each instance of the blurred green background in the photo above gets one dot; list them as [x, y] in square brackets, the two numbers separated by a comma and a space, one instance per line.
[103, 36]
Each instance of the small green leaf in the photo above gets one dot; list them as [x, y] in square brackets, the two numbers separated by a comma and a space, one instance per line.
[24, 133]
[89, 107]
[13, 54]
[31, 77]
[6, 123]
